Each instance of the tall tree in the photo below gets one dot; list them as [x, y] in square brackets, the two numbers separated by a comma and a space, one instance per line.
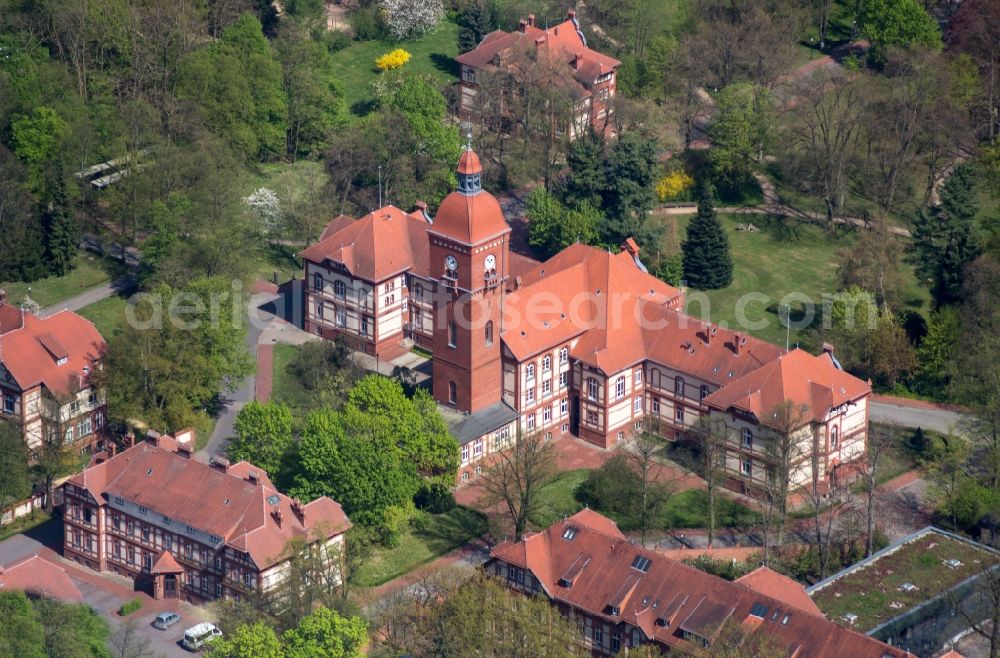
[21, 239]
[707, 261]
[741, 131]
[872, 263]
[15, 484]
[655, 486]
[326, 634]
[516, 477]
[880, 442]
[785, 446]
[888, 23]
[630, 171]
[475, 21]
[975, 30]
[263, 435]
[62, 231]
[944, 240]
[552, 226]
[709, 437]
[587, 177]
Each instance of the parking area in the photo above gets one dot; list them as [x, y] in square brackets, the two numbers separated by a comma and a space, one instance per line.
[106, 592]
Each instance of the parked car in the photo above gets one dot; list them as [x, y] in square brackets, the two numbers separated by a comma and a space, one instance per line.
[197, 637]
[165, 620]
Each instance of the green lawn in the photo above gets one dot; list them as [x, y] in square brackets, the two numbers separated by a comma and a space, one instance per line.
[24, 524]
[108, 315]
[433, 54]
[430, 536]
[286, 388]
[687, 509]
[90, 271]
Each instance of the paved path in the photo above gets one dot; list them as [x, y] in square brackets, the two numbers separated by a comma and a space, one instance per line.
[905, 414]
[91, 296]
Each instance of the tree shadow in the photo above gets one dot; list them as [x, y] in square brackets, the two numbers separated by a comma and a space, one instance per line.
[48, 534]
[362, 107]
[445, 64]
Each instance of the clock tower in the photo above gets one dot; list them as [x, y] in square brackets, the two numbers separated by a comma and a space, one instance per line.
[469, 256]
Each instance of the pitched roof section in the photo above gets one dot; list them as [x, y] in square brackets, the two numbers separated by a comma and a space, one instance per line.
[812, 382]
[165, 563]
[586, 293]
[239, 505]
[379, 245]
[36, 575]
[563, 41]
[781, 588]
[57, 352]
[666, 595]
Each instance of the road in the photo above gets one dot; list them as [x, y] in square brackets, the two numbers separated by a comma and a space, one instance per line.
[92, 296]
[939, 420]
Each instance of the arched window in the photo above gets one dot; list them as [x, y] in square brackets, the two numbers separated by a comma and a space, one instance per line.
[529, 371]
[452, 334]
[564, 355]
[452, 392]
[546, 363]
[679, 386]
[834, 436]
[339, 289]
[489, 332]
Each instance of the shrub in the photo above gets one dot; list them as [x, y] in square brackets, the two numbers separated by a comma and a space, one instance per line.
[728, 569]
[129, 607]
[367, 23]
[434, 497]
[392, 60]
[674, 186]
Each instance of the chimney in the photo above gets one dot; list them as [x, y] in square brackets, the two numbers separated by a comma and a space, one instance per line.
[522, 25]
[184, 450]
[540, 40]
[738, 341]
[298, 510]
[576, 66]
[276, 513]
[828, 349]
[153, 438]
[422, 207]
[531, 20]
[218, 462]
[630, 244]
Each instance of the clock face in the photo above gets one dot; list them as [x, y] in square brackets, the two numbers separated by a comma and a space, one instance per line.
[491, 262]
[451, 262]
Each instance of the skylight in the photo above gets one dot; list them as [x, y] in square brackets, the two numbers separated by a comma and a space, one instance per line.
[641, 563]
[569, 533]
[272, 499]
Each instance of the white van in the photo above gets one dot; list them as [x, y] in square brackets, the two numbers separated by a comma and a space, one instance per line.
[197, 637]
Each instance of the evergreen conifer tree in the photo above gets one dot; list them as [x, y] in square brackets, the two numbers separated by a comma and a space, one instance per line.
[62, 232]
[944, 238]
[21, 245]
[707, 262]
[586, 178]
[474, 23]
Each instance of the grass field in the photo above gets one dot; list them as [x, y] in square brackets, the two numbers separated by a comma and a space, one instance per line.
[687, 509]
[108, 315]
[430, 536]
[433, 54]
[90, 271]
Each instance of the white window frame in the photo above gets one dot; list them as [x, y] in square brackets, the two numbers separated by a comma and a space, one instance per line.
[620, 387]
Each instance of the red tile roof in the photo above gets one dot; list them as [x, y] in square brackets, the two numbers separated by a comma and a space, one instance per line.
[250, 516]
[32, 353]
[563, 41]
[381, 244]
[469, 218]
[592, 571]
[813, 382]
[165, 563]
[781, 588]
[468, 163]
[36, 575]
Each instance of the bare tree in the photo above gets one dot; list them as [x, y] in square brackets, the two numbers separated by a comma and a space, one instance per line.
[786, 449]
[880, 441]
[710, 437]
[656, 486]
[516, 476]
[981, 610]
[128, 642]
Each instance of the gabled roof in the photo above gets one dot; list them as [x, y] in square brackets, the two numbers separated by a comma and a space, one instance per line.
[379, 245]
[813, 383]
[165, 563]
[781, 588]
[588, 293]
[239, 504]
[57, 352]
[630, 585]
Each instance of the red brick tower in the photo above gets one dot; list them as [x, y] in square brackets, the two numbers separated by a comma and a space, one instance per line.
[469, 252]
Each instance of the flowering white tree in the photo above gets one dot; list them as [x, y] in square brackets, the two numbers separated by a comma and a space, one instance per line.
[266, 205]
[411, 18]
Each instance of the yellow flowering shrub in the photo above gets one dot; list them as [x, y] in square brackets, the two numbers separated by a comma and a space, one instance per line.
[673, 185]
[392, 60]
